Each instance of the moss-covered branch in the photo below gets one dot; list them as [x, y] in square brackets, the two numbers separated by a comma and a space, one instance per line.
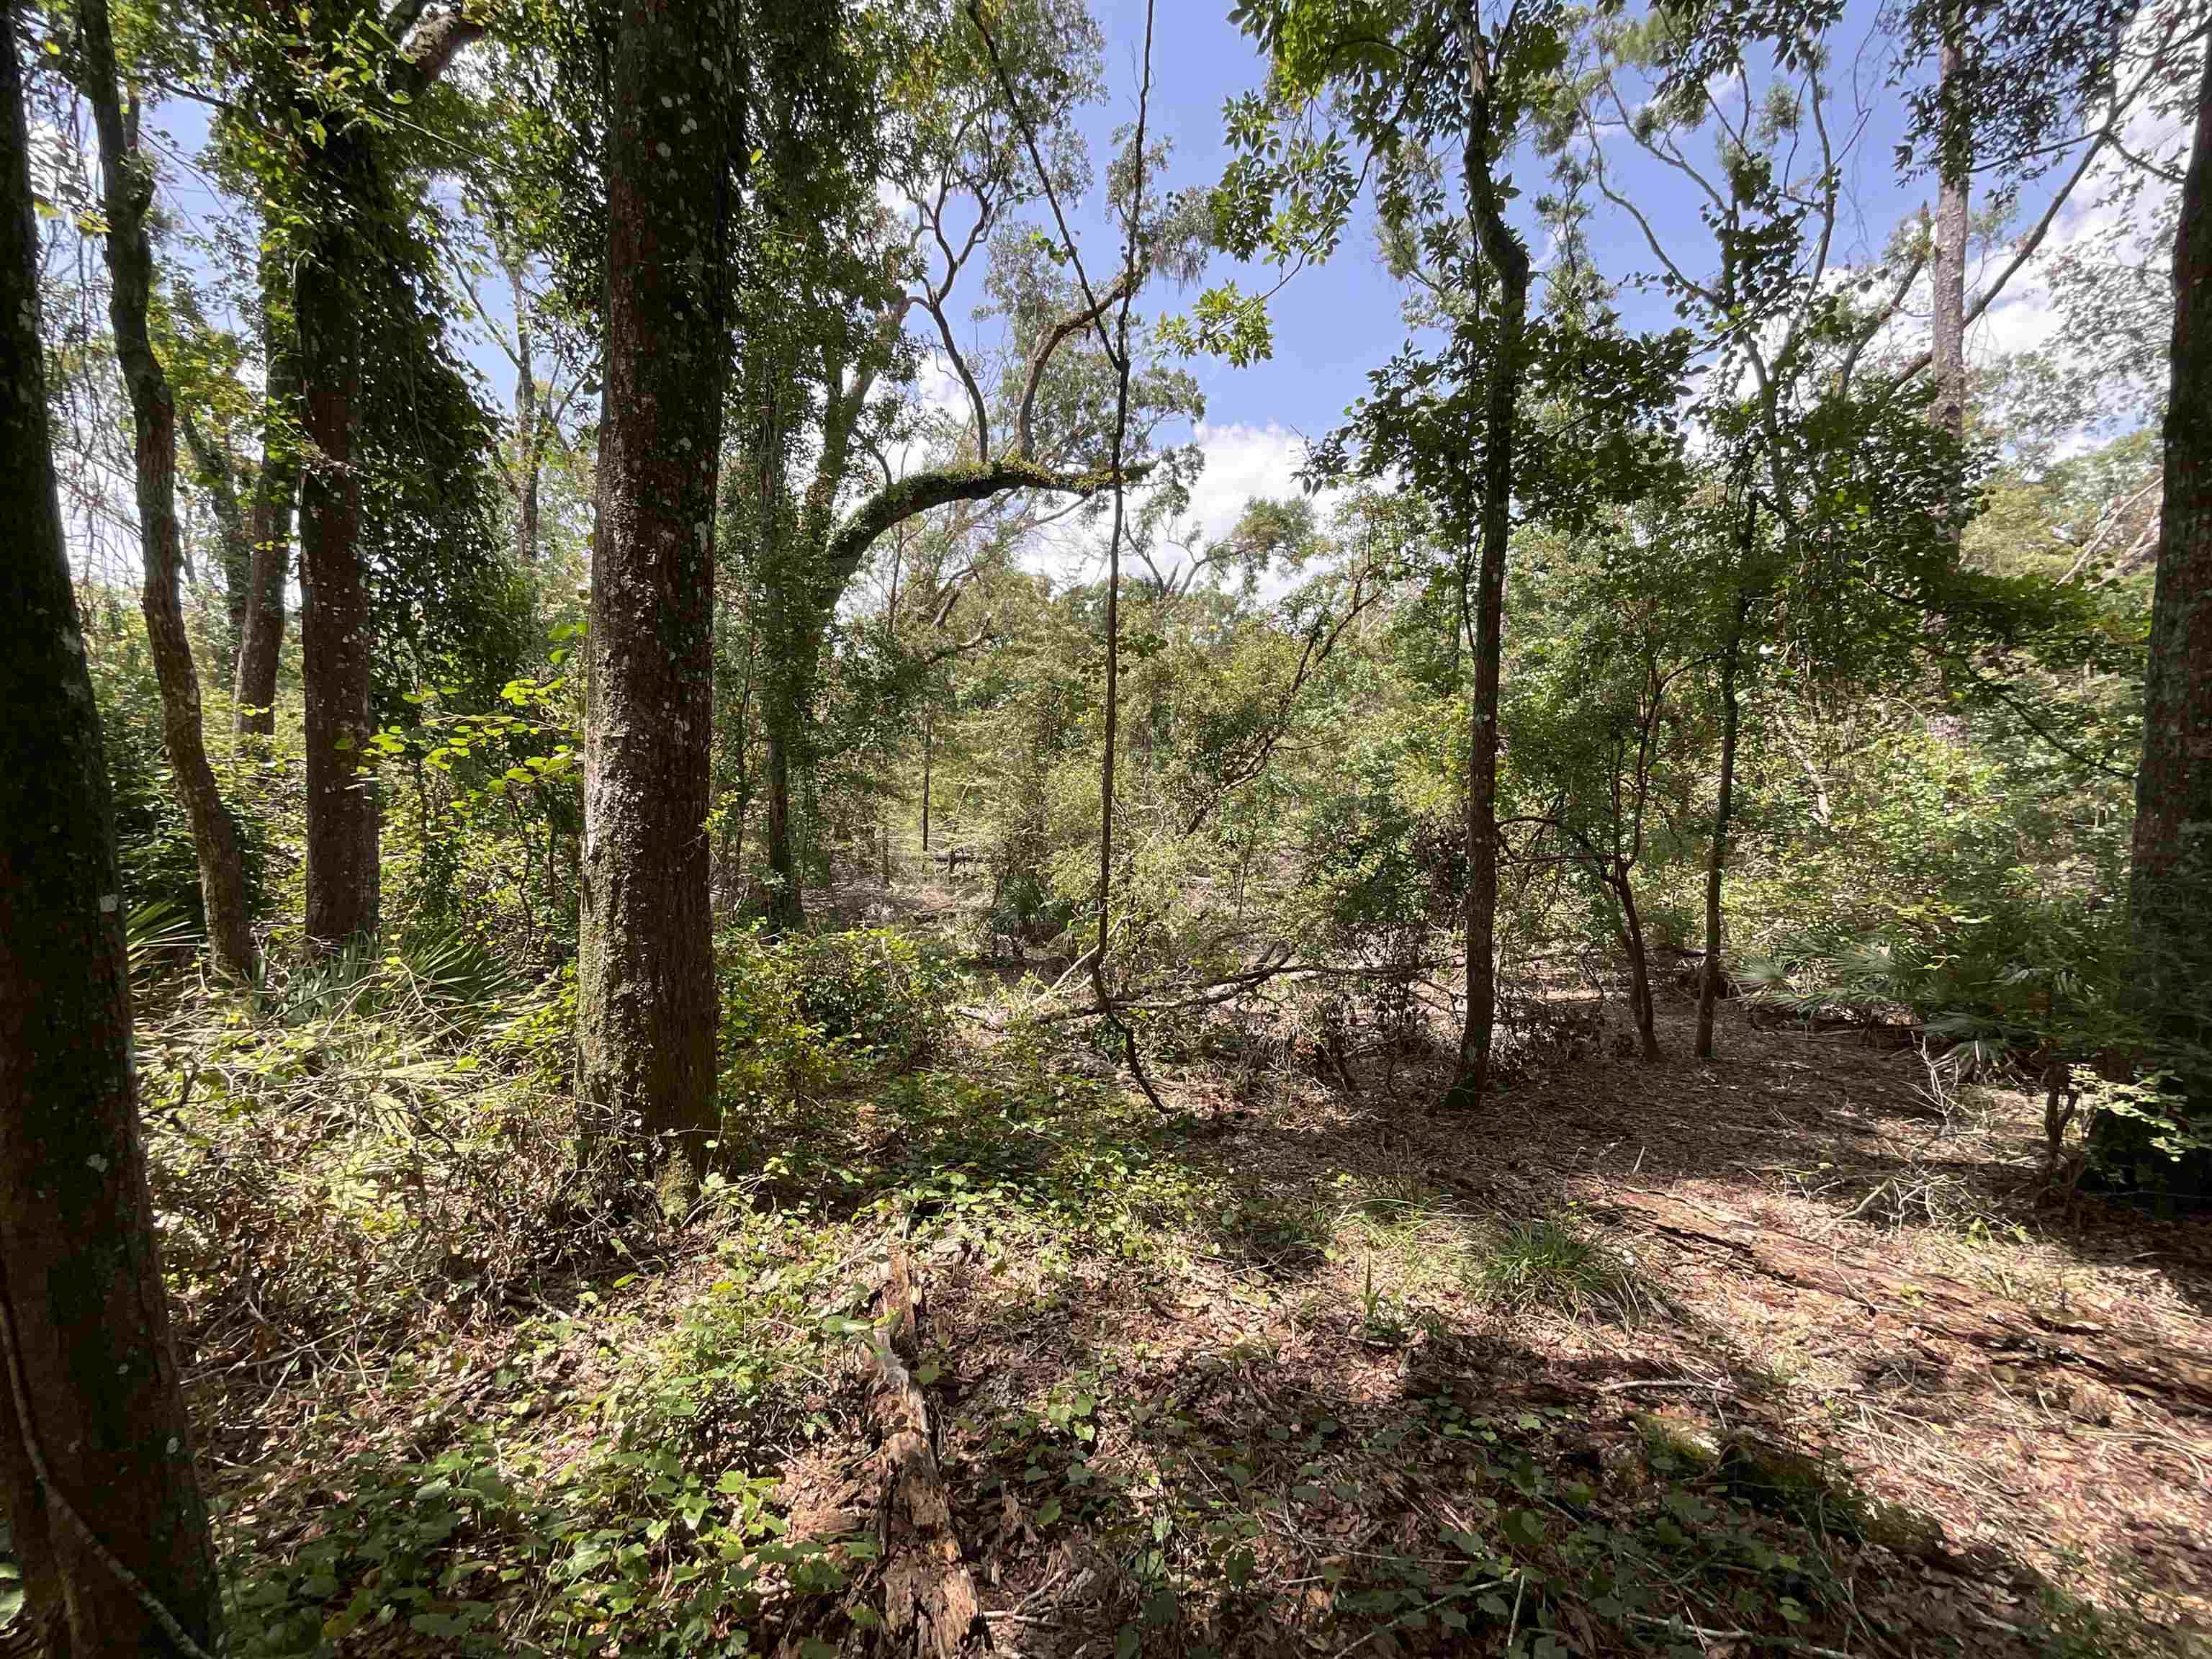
[939, 486]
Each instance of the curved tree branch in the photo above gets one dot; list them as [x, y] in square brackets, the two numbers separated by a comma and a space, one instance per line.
[1073, 322]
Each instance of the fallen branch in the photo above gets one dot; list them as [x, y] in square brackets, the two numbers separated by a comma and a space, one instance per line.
[929, 1598]
[1277, 965]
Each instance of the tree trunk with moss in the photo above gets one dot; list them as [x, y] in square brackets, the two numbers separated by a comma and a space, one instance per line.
[94, 1441]
[128, 194]
[2170, 890]
[335, 656]
[646, 997]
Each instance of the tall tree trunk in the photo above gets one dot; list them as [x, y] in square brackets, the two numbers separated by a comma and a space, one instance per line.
[1709, 981]
[528, 439]
[645, 1001]
[2171, 878]
[335, 629]
[261, 632]
[928, 730]
[1509, 263]
[128, 194]
[1948, 323]
[94, 1440]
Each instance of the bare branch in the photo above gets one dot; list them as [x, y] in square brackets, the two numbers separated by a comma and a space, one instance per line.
[1073, 322]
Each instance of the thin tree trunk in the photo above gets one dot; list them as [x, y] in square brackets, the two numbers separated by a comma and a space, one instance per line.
[335, 628]
[1709, 982]
[128, 191]
[1100, 985]
[2171, 878]
[1508, 262]
[1948, 325]
[94, 1439]
[1639, 967]
[261, 635]
[646, 997]
[525, 423]
[928, 726]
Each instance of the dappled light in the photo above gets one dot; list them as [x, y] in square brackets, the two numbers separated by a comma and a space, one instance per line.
[1102, 831]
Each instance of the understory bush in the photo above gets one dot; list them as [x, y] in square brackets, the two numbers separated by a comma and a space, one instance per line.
[369, 1153]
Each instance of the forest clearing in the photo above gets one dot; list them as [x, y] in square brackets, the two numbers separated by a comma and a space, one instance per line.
[1786, 1354]
[1077, 829]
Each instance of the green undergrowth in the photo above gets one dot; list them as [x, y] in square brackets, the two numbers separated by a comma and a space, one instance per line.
[1244, 1400]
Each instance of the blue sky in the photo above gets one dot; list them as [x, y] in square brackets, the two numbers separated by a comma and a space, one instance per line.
[1336, 322]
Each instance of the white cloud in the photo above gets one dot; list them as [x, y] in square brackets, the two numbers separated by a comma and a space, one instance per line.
[1242, 462]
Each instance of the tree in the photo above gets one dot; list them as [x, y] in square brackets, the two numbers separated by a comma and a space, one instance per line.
[327, 92]
[276, 493]
[981, 125]
[95, 1446]
[1406, 79]
[1741, 585]
[1508, 258]
[1947, 343]
[2171, 873]
[128, 195]
[644, 983]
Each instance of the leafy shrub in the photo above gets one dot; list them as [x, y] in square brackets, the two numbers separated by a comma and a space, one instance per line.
[802, 1015]
[881, 993]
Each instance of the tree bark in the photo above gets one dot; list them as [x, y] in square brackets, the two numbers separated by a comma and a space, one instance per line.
[337, 655]
[1709, 981]
[525, 422]
[2171, 876]
[1509, 263]
[646, 997]
[94, 1441]
[336, 661]
[1639, 966]
[930, 1607]
[1955, 161]
[128, 194]
[261, 632]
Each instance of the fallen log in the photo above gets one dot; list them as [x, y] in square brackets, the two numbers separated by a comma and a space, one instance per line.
[2134, 1362]
[930, 1609]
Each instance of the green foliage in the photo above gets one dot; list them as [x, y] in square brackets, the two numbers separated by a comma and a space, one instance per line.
[805, 1016]
[494, 835]
[152, 836]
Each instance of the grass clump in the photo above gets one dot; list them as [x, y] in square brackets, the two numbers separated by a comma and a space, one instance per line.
[1548, 1262]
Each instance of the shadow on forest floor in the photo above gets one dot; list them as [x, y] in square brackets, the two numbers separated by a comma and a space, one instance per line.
[1758, 1357]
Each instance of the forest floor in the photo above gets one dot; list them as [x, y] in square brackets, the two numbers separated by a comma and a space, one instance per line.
[1772, 1355]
